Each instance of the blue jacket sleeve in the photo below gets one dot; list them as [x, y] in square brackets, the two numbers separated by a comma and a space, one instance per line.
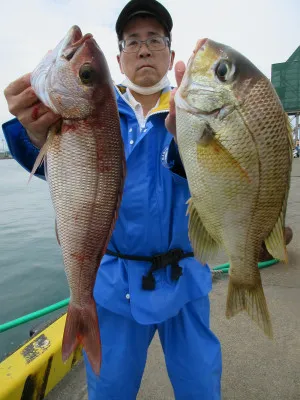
[174, 160]
[20, 146]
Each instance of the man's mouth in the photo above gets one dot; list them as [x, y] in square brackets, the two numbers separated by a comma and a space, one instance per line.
[145, 66]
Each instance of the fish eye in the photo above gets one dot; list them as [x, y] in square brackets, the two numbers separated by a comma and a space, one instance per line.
[86, 74]
[222, 71]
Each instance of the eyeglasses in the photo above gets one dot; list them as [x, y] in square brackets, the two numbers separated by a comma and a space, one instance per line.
[155, 43]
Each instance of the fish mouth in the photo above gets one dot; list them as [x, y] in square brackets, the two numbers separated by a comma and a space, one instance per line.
[220, 112]
[74, 40]
[180, 102]
[195, 87]
[190, 88]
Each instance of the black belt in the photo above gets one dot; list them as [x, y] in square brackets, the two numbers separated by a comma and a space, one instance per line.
[158, 261]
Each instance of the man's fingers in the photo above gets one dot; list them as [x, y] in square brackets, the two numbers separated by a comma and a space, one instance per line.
[44, 122]
[31, 114]
[170, 121]
[17, 86]
[179, 71]
[27, 98]
[172, 102]
[22, 101]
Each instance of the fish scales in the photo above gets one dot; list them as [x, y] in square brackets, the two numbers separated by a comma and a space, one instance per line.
[85, 169]
[235, 143]
[82, 189]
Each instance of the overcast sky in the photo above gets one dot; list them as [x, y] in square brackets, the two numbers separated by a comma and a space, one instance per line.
[265, 31]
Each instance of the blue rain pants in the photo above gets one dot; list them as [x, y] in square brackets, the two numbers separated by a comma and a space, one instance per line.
[192, 354]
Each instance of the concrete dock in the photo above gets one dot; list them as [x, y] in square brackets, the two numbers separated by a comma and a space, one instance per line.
[254, 367]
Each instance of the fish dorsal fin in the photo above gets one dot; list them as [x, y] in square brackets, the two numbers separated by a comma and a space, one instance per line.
[203, 244]
[42, 154]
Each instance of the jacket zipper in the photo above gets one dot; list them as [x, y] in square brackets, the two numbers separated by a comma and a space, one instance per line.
[155, 113]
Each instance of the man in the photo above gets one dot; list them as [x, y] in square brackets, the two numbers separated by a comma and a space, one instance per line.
[132, 302]
[137, 295]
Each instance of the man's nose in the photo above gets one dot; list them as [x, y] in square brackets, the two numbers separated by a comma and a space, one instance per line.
[144, 51]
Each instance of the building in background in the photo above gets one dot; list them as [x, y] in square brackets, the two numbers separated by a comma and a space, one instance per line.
[285, 78]
[4, 152]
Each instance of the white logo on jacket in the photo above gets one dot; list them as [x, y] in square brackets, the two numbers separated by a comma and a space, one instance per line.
[164, 158]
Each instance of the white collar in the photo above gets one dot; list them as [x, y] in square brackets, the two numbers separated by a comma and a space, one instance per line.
[133, 102]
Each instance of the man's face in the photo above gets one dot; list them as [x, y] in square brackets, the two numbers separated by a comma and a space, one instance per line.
[145, 68]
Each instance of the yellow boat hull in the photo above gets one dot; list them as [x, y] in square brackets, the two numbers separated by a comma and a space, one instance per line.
[33, 370]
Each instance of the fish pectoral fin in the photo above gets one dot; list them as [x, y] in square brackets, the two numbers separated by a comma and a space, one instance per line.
[42, 154]
[202, 242]
[275, 242]
[218, 159]
[206, 134]
[82, 328]
[252, 300]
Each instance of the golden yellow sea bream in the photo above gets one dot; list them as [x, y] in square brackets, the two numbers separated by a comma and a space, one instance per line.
[235, 142]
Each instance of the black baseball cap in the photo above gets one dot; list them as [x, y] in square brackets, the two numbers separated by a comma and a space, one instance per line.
[151, 7]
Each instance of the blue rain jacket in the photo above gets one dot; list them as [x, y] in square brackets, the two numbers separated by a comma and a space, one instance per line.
[152, 218]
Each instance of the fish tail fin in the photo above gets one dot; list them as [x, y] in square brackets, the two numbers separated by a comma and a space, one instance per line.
[82, 328]
[252, 300]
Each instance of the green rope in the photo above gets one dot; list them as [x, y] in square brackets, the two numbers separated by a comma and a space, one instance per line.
[224, 268]
[34, 315]
[261, 265]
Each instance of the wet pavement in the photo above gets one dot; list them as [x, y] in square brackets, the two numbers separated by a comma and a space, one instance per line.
[254, 367]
